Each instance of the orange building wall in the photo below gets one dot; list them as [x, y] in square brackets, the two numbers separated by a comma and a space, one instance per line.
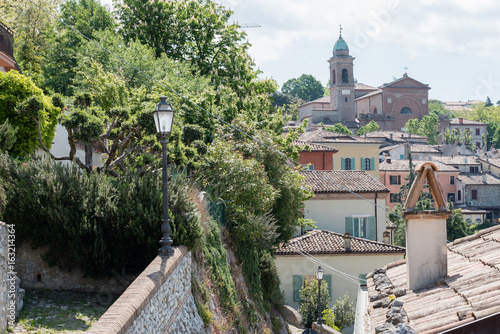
[320, 160]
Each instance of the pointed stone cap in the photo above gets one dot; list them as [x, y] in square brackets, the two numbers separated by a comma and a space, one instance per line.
[427, 171]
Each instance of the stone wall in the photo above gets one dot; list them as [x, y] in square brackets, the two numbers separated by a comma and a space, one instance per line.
[158, 301]
[35, 273]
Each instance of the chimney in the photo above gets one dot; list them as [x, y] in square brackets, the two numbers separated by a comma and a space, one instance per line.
[388, 160]
[347, 242]
[391, 135]
[461, 120]
[426, 252]
[387, 237]
[484, 177]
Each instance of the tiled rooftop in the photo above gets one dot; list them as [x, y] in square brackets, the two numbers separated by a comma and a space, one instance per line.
[392, 147]
[417, 148]
[404, 166]
[363, 86]
[456, 121]
[327, 242]
[477, 178]
[471, 291]
[323, 136]
[458, 160]
[395, 135]
[342, 181]
[494, 162]
[312, 147]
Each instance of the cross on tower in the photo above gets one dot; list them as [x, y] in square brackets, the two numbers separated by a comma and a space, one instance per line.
[340, 33]
[406, 69]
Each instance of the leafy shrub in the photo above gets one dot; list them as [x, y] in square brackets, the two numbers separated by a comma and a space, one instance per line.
[344, 312]
[308, 307]
[328, 317]
[95, 222]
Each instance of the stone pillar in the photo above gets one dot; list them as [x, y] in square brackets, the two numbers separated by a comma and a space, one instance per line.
[426, 252]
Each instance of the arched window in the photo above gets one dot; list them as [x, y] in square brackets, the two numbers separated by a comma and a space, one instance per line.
[345, 76]
[333, 77]
[375, 110]
[406, 111]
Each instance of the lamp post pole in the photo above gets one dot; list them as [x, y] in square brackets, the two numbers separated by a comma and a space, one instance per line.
[164, 117]
[319, 276]
[165, 242]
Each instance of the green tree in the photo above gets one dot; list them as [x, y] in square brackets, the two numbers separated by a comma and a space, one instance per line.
[344, 312]
[468, 142]
[488, 102]
[288, 103]
[428, 126]
[28, 110]
[338, 128]
[370, 127]
[33, 29]
[7, 136]
[437, 107]
[308, 305]
[196, 32]
[456, 226]
[88, 17]
[306, 87]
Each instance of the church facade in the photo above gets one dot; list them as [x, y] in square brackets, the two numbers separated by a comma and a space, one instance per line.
[353, 104]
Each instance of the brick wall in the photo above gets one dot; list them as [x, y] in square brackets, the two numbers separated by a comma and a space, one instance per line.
[158, 301]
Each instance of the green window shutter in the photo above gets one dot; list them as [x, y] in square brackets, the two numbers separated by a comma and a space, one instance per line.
[401, 156]
[349, 225]
[342, 160]
[298, 282]
[362, 164]
[362, 278]
[353, 160]
[372, 228]
[372, 163]
[328, 280]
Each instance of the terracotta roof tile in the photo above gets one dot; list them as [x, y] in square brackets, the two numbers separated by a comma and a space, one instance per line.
[477, 178]
[471, 290]
[458, 160]
[311, 147]
[327, 242]
[456, 121]
[342, 181]
[494, 162]
[417, 148]
[323, 136]
[404, 166]
[395, 135]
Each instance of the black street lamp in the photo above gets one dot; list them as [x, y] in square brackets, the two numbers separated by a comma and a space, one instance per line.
[164, 119]
[319, 276]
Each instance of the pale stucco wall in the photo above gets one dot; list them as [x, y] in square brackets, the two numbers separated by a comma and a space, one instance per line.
[354, 264]
[356, 151]
[329, 214]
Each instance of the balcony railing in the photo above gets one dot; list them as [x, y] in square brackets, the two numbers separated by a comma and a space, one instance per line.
[6, 40]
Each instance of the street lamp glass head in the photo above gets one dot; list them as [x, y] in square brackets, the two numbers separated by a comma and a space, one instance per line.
[163, 116]
[319, 273]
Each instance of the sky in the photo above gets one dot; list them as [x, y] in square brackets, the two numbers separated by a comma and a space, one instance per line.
[451, 45]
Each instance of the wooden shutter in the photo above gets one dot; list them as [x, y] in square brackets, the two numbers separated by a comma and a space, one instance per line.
[353, 165]
[342, 160]
[298, 282]
[372, 228]
[362, 164]
[328, 280]
[372, 163]
[349, 225]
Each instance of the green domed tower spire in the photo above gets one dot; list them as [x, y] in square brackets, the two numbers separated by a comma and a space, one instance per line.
[340, 45]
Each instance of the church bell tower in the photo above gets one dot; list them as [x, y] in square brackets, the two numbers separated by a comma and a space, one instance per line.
[342, 80]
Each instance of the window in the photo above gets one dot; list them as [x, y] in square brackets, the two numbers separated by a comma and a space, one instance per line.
[345, 99]
[395, 179]
[345, 76]
[367, 164]
[375, 110]
[389, 100]
[424, 101]
[362, 226]
[395, 198]
[347, 163]
[474, 194]
[459, 195]
[478, 144]
[308, 167]
[333, 77]
[478, 132]
[300, 280]
[474, 169]
[406, 111]
[467, 131]
[451, 197]
[452, 179]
